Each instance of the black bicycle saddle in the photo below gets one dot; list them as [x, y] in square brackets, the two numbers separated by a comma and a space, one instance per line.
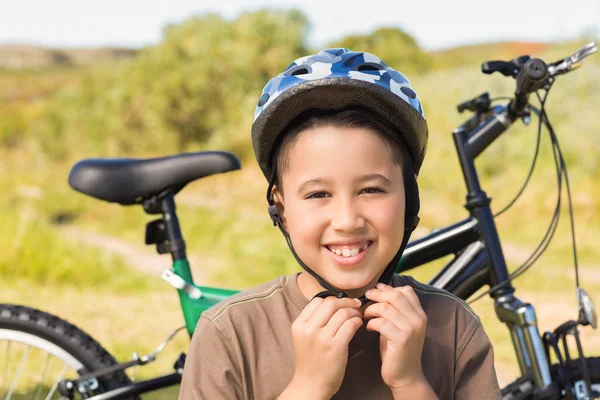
[130, 181]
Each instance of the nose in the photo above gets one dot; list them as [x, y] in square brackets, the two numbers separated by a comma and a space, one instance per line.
[347, 216]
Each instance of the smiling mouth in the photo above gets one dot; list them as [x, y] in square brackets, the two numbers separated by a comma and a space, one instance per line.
[347, 252]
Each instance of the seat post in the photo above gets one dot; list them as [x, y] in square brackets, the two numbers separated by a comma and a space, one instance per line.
[173, 231]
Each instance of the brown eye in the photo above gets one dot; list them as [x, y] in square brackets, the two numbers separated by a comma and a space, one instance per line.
[372, 190]
[317, 195]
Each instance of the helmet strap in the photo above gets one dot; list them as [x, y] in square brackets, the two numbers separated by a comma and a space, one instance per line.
[388, 272]
[411, 223]
[276, 218]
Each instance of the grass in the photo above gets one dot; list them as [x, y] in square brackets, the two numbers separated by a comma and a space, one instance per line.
[32, 249]
[23, 85]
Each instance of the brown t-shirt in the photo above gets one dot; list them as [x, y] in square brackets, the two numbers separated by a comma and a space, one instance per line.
[242, 348]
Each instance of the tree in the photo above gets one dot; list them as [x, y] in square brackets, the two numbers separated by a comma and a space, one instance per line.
[395, 47]
[196, 89]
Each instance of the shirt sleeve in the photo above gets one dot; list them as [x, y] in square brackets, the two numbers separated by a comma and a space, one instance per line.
[212, 368]
[475, 374]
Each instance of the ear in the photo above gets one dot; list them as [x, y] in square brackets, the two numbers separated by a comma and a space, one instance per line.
[277, 197]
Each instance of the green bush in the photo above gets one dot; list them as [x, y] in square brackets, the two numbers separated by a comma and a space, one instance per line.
[398, 49]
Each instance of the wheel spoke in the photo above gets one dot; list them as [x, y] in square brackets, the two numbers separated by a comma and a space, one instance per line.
[16, 378]
[39, 390]
[36, 357]
[5, 366]
[62, 374]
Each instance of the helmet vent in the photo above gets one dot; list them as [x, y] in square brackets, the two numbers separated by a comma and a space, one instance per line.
[409, 92]
[263, 99]
[369, 67]
[298, 70]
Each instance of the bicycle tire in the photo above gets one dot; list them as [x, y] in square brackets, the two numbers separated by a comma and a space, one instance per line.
[524, 387]
[57, 338]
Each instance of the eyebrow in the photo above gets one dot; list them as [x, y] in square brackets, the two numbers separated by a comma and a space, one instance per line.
[371, 177]
[310, 182]
[362, 179]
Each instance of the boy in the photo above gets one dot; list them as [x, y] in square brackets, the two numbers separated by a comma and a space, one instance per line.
[341, 137]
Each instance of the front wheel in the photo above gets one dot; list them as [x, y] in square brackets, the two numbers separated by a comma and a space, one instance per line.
[524, 387]
[38, 350]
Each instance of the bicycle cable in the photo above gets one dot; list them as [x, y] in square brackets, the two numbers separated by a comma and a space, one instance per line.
[560, 168]
[551, 229]
[569, 198]
[561, 165]
[533, 163]
[500, 98]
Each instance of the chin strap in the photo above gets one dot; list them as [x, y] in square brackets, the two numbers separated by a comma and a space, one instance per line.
[411, 223]
[331, 290]
[388, 272]
[412, 220]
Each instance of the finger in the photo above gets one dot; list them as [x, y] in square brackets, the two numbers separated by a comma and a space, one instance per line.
[397, 299]
[328, 307]
[348, 329]
[387, 329]
[308, 311]
[410, 294]
[337, 320]
[390, 313]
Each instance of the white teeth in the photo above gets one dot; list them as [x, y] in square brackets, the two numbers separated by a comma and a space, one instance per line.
[349, 252]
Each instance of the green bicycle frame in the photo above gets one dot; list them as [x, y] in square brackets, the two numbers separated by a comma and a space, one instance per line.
[193, 308]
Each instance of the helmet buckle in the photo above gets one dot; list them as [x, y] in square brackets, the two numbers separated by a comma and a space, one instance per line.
[274, 214]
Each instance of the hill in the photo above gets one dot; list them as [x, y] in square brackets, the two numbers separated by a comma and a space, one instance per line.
[25, 56]
[478, 53]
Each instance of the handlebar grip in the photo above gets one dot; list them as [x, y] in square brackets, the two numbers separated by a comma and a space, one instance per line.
[531, 76]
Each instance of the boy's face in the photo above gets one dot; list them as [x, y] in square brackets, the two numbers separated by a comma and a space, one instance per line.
[343, 204]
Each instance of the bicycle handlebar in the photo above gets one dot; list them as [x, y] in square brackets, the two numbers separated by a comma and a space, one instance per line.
[531, 74]
[530, 78]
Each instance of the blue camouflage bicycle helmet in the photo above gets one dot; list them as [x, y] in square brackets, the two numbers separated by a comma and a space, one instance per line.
[337, 79]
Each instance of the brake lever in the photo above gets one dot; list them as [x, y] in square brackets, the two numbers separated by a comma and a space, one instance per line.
[585, 51]
[573, 61]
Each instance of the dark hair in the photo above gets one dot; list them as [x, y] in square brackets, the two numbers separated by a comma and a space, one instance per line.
[354, 117]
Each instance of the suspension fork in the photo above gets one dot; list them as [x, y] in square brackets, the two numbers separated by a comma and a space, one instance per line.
[518, 316]
[521, 321]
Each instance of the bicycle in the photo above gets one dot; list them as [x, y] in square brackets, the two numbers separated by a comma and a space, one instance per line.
[478, 258]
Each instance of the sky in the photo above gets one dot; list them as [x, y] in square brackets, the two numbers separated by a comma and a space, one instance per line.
[434, 24]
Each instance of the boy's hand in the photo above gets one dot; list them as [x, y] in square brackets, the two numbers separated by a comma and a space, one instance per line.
[321, 335]
[397, 315]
